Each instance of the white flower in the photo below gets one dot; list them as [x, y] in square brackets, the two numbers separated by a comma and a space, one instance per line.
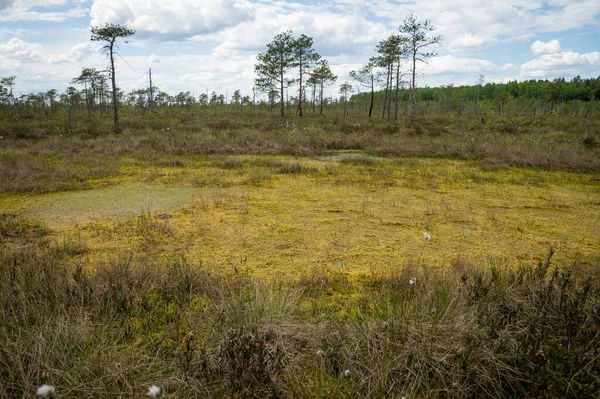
[412, 281]
[155, 392]
[347, 373]
[45, 391]
[320, 353]
[426, 236]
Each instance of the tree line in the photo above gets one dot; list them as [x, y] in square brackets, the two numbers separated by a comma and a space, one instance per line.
[389, 78]
[287, 53]
[526, 97]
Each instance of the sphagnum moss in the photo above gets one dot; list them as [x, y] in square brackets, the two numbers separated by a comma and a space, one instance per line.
[352, 218]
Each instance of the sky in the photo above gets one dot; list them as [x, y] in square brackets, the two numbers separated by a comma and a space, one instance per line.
[200, 46]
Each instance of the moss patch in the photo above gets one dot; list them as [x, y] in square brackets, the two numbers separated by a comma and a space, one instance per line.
[60, 209]
[357, 217]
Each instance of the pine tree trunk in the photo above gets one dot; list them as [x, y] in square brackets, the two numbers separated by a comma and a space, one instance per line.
[300, 91]
[385, 95]
[414, 90]
[397, 90]
[391, 77]
[114, 84]
[282, 102]
[372, 96]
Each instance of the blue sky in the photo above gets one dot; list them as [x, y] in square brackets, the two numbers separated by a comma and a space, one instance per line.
[197, 46]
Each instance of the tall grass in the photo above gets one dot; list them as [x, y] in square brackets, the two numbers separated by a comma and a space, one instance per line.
[56, 159]
[114, 328]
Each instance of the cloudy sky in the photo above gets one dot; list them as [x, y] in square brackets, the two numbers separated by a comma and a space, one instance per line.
[200, 45]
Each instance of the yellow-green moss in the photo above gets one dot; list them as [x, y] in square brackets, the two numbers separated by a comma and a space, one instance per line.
[242, 213]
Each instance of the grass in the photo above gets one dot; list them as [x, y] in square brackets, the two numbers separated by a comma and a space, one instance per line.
[259, 259]
[55, 159]
[469, 331]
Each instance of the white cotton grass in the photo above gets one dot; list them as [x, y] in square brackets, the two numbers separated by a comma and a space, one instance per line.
[412, 281]
[45, 392]
[426, 236]
[155, 392]
[347, 374]
[320, 353]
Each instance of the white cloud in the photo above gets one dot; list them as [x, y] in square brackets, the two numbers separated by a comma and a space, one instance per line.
[332, 33]
[76, 54]
[568, 15]
[21, 10]
[154, 59]
[518, 38]
[7, 66]
[171, 20]
[19, 50]
[467, 41]
[4, 4]
[539, 47]
[471, 24]
[565, 64]
[449, 64]
[39, 3]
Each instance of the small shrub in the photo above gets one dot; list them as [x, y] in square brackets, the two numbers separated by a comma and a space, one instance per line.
[14, 225]
[258, 178]
[149, 225]
[230, 164]
[507, 126]
[358, 160]
[173, 163]
[71, 245]
[589, 142]
[347, 128]
[295, 168]
[223, 125]
[251, 362]
[390, 128]
[271, 163]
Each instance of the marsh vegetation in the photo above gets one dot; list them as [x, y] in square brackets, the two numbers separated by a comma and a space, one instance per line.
[233, 254]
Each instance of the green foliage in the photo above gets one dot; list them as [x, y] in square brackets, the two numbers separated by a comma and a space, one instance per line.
[274, 64]
[559, 90]
[110, 33]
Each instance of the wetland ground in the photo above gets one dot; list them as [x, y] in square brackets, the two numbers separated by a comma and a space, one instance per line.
[246, 258]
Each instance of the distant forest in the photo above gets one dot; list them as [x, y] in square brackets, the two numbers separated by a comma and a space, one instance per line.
[532, 93]
[557, 91]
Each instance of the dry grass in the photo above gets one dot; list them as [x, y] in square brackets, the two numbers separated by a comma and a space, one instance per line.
[469, 332]
[59, 159]
[269, 258]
